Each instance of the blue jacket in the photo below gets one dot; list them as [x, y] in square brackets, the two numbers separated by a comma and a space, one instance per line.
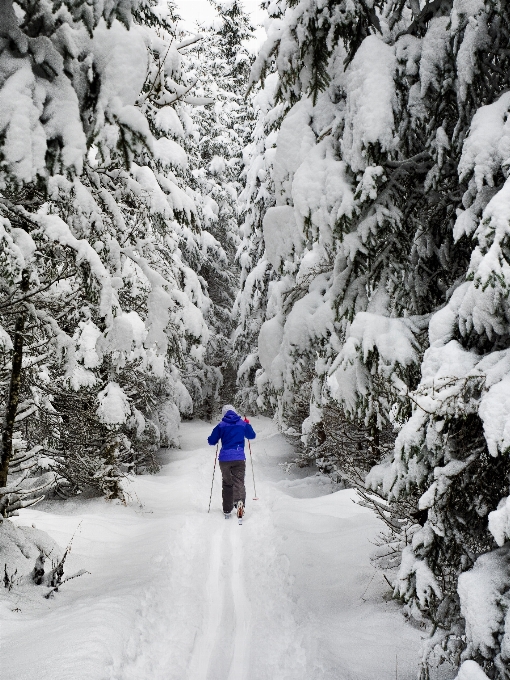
[231, 430]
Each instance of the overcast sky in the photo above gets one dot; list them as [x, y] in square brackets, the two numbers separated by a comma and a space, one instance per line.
[193, 11]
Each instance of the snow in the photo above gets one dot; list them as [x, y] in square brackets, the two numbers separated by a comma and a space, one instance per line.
[499, 522]
[282, 236]
[408, 52]
[120, 56]
[175, 592]
[392, 337]
[86, 351]
[5, 340]
[270, 340]
[24, 242]
[310, 319]
[443, 323]
[169, 152]
[58, 231]
[465, 223]
[470, 670]
[295, 139]
[484, 601]
[168, 121]
[20, 546]
[448, 362]
[495, 412]
[62, 121]
[392, 340]
[155, 196]
[444, 476]
[370, 100]
[321, 191]
[113, 406]
[488, 260]
[80, 377]
[426, 583]
[487, 147]
[433, 52]
[476, 37]
[217, 165]
[24, 147]
[127, 329]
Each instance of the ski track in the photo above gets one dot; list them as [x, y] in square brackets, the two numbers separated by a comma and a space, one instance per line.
[221, 648]
[239, 665]
[206, 638]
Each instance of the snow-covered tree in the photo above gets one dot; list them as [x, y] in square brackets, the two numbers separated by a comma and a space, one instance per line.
[101, 304]
[453, 451]
[389, 161]
[221, 62]
[257, 196]
[44, 136]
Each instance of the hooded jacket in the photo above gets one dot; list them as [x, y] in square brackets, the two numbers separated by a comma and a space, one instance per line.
[232, 431]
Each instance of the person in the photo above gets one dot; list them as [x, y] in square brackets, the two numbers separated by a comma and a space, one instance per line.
[232, 431]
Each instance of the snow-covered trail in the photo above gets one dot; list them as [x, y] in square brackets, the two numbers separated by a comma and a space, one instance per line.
[176, 593]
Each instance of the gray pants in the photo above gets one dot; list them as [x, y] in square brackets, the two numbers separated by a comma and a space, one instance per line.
[232, 489]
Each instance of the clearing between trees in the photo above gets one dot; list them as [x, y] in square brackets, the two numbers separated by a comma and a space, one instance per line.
[177, 593]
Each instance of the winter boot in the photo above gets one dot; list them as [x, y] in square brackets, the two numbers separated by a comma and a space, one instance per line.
[240, 511]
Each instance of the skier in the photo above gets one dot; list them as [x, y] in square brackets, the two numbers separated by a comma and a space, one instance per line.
[232, 431]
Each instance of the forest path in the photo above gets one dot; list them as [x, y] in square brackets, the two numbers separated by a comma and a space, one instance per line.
[176, 593]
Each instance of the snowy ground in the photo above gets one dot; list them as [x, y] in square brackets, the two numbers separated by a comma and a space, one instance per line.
[175, 593]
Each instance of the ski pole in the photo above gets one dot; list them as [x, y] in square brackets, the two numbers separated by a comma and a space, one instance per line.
[252, 472]
[212, 483]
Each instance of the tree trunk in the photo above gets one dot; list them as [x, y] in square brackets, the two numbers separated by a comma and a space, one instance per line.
[321, 433]
[375, 445]
[14, 387]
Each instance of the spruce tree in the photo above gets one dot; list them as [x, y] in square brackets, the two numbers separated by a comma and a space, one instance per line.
[250, 308]
[101, 240]
[221, 62]
[380, 306]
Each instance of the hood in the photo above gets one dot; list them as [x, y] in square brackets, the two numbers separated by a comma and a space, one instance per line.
[231, 417]
[227, 407]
